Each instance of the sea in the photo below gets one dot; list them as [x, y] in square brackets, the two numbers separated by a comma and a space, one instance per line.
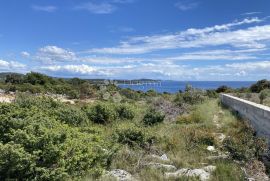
[176, 86]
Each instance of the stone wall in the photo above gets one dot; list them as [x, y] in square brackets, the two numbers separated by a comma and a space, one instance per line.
[257, 114]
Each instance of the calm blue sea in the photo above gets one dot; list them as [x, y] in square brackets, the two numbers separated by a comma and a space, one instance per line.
[175, 86]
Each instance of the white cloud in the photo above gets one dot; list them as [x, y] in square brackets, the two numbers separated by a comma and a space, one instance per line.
[25, 54]
[251, 13]
[251, 66]
[221, 54]
[235, 71]
[167, 70]
[4, 63]
[252, 37]
[123, 1]
[11, 65]
[185, 5]
[76, 70]
[52, 54]
[49, 8]
[105, 7]
[110, 60]
[101, 8]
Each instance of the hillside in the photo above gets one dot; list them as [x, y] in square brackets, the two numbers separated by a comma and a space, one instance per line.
[108, 133]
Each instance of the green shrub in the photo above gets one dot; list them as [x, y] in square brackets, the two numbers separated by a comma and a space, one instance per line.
[73, 94]
[194, 117]
[194, 138]
[153, 117]
[189, 97]
[211, 94]
[244, 145]
[101, 113]
[130, 94]
[263, 95]
[26, 100]
[72, 116]
[227, 171]
[151, 93]
[193, 97]
[39, 147]
[260, 85]
[15, 162]
[125, 112]
[133, 136]
[224, 89]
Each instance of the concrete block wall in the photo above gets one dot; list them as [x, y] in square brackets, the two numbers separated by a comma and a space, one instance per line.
[257, 114]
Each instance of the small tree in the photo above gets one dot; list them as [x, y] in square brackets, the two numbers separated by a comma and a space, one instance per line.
[263, 95]
[152, 117]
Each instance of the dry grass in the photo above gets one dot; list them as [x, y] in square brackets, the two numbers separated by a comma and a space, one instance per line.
[185, 144]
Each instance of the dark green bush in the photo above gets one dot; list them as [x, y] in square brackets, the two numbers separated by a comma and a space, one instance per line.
[130, 94]
[72, 116]
[260, 85]
[26, 100]
[193, 97]
[101, 113]
[153, 117]
[244, 145]
[133, 136]
[125, 112]
[151, 93]
[211, 94]
[263, 95]
[224, 89]
[36, 146]
[15, 162]
[189, 97]
[73, 94]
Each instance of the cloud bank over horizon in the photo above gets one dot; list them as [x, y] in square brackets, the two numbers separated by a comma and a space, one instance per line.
[235, 50]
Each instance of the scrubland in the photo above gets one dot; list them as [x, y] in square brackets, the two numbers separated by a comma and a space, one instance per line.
[149, 135]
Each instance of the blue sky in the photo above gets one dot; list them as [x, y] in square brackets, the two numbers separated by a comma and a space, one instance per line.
[127, 39]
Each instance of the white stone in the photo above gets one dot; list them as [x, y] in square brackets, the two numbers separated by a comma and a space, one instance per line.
[211, 148]
[203, 173]
[164, 157]
[209, 168]
[162, 166]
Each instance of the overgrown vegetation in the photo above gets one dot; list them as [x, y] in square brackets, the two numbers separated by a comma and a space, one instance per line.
[44, 139]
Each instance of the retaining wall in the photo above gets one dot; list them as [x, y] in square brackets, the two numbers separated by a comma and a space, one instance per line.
[257, 114]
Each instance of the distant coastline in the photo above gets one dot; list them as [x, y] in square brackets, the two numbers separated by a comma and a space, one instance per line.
[176, 86]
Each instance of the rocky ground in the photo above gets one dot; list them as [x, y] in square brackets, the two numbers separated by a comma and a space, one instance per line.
[253, 169]
[6, 98]
[163, 162]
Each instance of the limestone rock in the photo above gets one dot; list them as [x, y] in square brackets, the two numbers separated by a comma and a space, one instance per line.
[165, 167]
[203, 173]
[211, 148]
[164, 157]
[209, 168]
